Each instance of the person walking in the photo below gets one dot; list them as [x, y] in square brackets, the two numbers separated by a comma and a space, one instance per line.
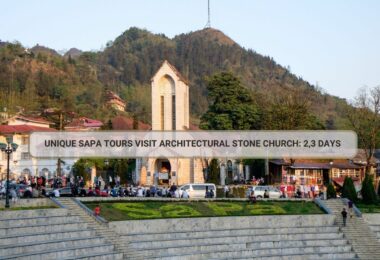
[97, 210]
[344, 216]
[350, 205]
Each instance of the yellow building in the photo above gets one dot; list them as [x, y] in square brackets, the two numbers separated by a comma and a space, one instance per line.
[170, 111]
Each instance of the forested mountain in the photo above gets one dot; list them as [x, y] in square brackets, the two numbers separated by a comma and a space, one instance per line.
[41, 79]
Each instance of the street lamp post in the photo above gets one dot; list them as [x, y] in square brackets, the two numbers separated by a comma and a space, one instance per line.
[8, 148]
[106, 162]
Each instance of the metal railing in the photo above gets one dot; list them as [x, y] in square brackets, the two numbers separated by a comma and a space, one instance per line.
[322, 205]
[90, 212]
[57, 202]
[357, 211]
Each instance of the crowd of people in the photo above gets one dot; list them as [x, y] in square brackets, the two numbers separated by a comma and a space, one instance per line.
[302, 191]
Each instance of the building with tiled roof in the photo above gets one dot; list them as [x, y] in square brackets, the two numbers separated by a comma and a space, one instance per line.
[314, 172]
[84, 124]
[22, 164]
[114, 101]
[27, 120]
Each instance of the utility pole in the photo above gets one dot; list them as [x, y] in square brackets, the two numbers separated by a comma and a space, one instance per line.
[208, 25]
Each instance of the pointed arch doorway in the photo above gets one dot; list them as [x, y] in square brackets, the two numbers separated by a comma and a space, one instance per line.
[162, 169]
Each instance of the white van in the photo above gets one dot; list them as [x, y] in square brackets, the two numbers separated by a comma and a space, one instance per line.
[197, 190]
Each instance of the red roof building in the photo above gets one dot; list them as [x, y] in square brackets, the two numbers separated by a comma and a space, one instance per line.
[84, 124]
[23, 129]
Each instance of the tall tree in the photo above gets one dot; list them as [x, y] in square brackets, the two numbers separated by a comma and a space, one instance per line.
[365, 120]
[290, 112]
[232, 106]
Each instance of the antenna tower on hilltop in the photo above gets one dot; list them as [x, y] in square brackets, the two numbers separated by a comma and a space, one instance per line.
[208, 25]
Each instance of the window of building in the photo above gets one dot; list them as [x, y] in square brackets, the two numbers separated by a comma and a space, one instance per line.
[25, 156]
[25, 139]
[173, 113]
[162, 113]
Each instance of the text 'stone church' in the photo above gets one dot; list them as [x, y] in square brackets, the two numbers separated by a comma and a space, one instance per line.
[170, 111]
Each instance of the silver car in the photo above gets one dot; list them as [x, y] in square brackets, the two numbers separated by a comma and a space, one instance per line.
[274, 193]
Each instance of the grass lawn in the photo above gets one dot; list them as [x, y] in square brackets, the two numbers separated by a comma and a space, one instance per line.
[368, 208]
[114, 211]
[26, 208]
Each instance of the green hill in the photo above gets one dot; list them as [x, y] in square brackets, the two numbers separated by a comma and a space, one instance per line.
[44, 79]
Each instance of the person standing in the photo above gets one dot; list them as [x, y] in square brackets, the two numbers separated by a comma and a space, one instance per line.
[97, 210]
[185, 194]
[344, 216]
[13, 195]
[266, 194]
[226, 191]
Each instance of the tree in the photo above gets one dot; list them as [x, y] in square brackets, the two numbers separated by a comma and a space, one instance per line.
[232, 106]
[135, 125]
[290, 112]
[364, 116]
[120, 168]
[368, 190]
[83, 166]
[331, 192]
[349, 191]
[214, 172]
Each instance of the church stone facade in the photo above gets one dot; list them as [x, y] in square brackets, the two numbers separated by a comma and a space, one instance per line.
[170, 112]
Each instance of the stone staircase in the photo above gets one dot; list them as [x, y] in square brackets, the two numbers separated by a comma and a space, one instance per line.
[356, 231]
[51, 234]
[373, 220]
[294, 239]
[101, 229]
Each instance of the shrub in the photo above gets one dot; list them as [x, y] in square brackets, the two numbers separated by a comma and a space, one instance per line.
[349, 190]
[237, 191]
[368, 190]
[331, 192]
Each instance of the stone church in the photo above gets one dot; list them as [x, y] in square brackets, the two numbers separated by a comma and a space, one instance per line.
[170, 112]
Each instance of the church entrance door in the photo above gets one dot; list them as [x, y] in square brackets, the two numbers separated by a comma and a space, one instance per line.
[163, 171]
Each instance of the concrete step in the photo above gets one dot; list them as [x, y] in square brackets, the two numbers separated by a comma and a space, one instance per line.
[375, 228]
[60, 244]
[339, 256]
[21, 222]
[229, 232]
[42, 237]
[249, 241]
[74, 252]
[43, 228]
[220, 253]
[98, 256]
[14, 214]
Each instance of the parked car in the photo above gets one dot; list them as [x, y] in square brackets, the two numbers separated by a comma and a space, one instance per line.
[274, 193]
[197, 191]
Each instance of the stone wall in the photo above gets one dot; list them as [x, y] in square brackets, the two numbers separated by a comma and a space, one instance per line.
[35, 202]
[199, 224]
[372, 218]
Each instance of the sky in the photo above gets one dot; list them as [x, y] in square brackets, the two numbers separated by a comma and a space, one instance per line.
[335, 44]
